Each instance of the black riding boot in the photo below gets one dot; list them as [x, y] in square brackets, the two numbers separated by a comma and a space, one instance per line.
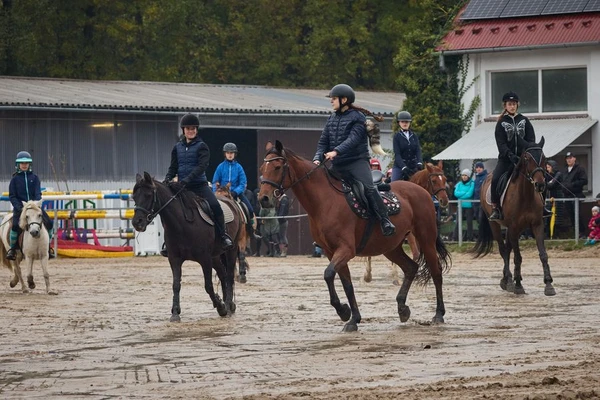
[496, 213]
[378, 207]
[222, 233]
[163, 251]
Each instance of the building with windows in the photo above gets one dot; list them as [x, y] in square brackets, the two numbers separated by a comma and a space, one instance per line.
[546, 51]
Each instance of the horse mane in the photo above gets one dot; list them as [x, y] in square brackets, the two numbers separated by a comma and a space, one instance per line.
[31, 204]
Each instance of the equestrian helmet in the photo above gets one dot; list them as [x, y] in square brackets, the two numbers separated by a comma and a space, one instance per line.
[230, 147]
[510, 96]
[23, 156]
[404, 116]
[343, 90]
[189, 120]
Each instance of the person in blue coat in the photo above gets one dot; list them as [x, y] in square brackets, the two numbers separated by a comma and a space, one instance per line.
[344, 141]
[230, 172]
[463, 191]
[189, 160]
[24, 186]
[407, 149]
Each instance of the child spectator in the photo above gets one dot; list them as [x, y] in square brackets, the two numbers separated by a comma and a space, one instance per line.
[594, 226]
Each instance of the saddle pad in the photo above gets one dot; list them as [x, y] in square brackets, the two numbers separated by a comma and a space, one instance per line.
[227, 213]
[389, 199]
[488, 193]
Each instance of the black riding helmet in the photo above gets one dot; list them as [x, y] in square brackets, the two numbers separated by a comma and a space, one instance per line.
[189, 120]
[510, 96]
[403, 116]
[343, 90]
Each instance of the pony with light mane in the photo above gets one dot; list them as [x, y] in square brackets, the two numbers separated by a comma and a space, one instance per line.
[343, 235]
[35, 241]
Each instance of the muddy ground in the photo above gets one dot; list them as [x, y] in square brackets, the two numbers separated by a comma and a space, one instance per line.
[107, 334]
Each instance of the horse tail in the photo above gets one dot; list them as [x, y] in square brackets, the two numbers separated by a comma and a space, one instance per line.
[444, 262]
[485, 239]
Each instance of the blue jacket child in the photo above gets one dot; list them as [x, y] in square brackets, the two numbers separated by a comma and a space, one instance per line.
[464, 189]
[24, 186]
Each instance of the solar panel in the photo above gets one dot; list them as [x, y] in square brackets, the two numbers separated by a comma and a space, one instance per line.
[564, 7]
[484, 9]
[592, 5]
[520, 8]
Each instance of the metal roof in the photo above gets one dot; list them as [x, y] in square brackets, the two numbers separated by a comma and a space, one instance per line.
[515, 33]
[31, 93]
[480, 142]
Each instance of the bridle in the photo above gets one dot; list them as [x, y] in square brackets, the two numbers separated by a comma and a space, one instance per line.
[151, 214]
[279, 189]
[430, 183]
[529, 175]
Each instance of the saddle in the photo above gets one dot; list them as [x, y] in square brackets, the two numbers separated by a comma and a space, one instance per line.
[355, 197]
[502, 187]
[201, 204]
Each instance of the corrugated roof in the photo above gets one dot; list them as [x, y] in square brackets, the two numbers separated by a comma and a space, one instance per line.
[25, 92]
[480, 142]
[509, 33]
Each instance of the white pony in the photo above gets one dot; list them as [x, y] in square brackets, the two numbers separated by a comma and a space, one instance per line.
[34, 246]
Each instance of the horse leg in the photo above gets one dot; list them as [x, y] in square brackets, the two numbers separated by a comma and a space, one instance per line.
[343, 310]
[414, 247]
[514, 243]
[410, 268]
[538, 233]
[44, 262]
[176, 270]
[18, 276]
[227, 278]
[368, 276]
[352, 324]
[506, 283]
[30, 282]
[207, 266]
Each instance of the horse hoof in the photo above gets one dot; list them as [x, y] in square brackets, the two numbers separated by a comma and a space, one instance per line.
[14, 283]
[438, 319]
[396, 282]
[350, 327]
[549, 291]
[52, 292]
[345, 312]
[175, 318]
[367, 278]
[242, 278]
[404, 313]
[232, 308]
[222, 310]
[519, 290]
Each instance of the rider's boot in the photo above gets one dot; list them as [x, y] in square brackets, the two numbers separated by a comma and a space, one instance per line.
[222, 233]
[376, 204]
[12, 252]
[163, 251]
[496, 213]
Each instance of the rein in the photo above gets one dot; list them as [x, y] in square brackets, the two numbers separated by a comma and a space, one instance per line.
[529, 175]
[279, 189]
[151, 214]
[430, 181]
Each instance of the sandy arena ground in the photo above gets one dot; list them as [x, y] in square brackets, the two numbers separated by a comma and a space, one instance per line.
[107, 334]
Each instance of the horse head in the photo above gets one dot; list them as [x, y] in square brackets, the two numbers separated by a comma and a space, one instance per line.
[532, 163]
[433, 179]
[145, 199]
[31, 218]
[275, 176]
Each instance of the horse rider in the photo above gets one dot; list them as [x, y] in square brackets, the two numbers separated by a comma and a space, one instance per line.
[344, 141]
[407, 149]
[24, 186]
[511, 124]
[231, 172]
[189, 160]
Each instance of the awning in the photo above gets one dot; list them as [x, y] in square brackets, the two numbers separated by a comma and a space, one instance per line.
[480, 143]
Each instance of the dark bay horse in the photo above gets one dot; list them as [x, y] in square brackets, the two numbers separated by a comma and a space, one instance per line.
[339, 232]
[188, 237]
[432, 179]
[522, 208]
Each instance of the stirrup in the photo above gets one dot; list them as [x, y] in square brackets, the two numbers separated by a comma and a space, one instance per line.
[226, 242]
[163, 251]
[387, 228]
[495, 215]
[546, 213]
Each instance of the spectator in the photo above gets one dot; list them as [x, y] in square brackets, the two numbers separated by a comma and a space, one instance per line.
[283, 209]
[574, 179]
[463, 192]
[594, 227]
[375, 164]
[269, 229]
[480, 174]
[554, 190]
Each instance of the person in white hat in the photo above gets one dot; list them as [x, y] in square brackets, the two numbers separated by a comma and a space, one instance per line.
[463, 191]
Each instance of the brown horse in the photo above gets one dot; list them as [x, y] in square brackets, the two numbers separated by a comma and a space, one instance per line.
[432, 179]
[339, 232]
[522, 208]
[242, 241]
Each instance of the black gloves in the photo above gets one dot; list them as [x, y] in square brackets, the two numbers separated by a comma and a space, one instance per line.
[514, 158]
[420, 167]
[234, 195]
[176, 186]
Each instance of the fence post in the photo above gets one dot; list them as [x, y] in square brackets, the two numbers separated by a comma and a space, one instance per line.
[576, 217]
[459, 223]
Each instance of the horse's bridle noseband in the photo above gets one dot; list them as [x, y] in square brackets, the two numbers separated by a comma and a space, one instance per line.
[279, 189]
[151, 214]
[34, 223]
[430, 181]
[538, 168]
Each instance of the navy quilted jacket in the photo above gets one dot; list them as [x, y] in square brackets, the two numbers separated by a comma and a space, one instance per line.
[345, 133]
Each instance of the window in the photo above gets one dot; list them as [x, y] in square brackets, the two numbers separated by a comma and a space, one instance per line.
[552, 90]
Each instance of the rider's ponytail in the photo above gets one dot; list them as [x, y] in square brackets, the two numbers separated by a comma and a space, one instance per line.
[372, 130]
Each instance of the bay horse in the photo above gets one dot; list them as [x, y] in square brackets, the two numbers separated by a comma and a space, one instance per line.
[34, 246]
[432, 179]
[242, 242]
[188, 237]
[338, 231]
[522, 208]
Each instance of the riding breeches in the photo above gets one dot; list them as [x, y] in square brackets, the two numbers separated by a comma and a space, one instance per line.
[502, 167]
[206, 193]
[359, 170]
